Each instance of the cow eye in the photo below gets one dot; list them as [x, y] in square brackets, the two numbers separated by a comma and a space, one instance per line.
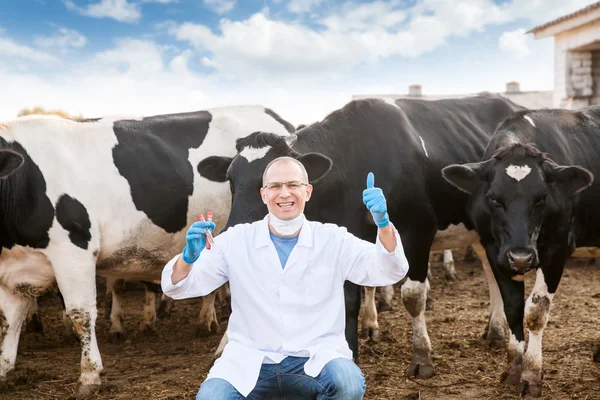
[540, 203]
[495, 203]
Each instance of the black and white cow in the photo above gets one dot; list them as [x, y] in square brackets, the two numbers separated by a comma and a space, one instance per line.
[112, 197]
[532, 205]
[405, 144]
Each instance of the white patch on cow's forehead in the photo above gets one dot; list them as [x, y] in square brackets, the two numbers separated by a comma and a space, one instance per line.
[528, 118]
[518, 172]
[251, 154]
[423, 144]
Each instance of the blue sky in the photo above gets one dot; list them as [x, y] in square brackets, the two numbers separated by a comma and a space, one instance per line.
[303, 58]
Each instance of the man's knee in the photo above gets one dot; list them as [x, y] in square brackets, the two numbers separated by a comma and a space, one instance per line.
[345, 380]
[217, 389]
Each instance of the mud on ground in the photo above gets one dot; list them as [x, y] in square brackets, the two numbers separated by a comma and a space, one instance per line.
[171, 363]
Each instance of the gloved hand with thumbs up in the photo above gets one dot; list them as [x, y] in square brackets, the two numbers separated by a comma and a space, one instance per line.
[375, 201]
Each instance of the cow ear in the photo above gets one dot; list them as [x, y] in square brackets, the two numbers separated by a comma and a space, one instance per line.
[572, 179]
[317, 165]
[466, 177]
[214, 168]
[10, 161]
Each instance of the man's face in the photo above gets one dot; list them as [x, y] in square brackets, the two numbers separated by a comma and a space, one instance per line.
[285, 201]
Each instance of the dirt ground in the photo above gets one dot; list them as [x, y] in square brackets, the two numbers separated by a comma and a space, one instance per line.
[171, 363]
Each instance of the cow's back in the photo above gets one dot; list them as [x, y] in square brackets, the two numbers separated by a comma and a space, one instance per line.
[406, 144]
[132, 184]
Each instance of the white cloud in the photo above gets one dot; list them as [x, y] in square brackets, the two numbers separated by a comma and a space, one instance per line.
[260, 46]
[119, 10]
[64, 40]
[351, 17]
[160, 1]
[302, 6]
[10, 48]
[515, 43]
[220, 6]
[352, 34]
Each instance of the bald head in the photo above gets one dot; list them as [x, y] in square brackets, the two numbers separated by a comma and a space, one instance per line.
[285, 160]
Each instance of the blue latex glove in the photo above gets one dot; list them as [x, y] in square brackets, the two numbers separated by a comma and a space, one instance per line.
[196, 240]
[375, 201]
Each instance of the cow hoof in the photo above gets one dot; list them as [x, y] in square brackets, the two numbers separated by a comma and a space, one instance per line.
[450, 277]
[116, 337]
[511, 378]
[597, 355]
[530, 388]
[383, 306]
[429, 304]
[423, 371]
[35, 324]
[86, 391]
[147, 330]
[204, 331]
[371, 333]
[495, 340]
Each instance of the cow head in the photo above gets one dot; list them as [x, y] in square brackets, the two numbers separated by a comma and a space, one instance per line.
[512, 196]
[244, 172]
[10, 161]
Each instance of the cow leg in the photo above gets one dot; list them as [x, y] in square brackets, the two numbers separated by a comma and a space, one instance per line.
[385, 300]
[495, 331]
[370, 327]
[469, 254]
[225, 299]
[34, 322]
[116, 332]
[77, 284]
[149, 314]
[414, 297]
[13, 311]
[448, 264]
[537, 310]
[352, 304]
[208, 316]
[597, 355]
[165, 307]
[514, 303]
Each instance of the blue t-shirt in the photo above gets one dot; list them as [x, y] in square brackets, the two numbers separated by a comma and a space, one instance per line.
[284, 246]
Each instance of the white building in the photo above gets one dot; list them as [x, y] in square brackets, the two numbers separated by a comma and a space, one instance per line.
[576, 56]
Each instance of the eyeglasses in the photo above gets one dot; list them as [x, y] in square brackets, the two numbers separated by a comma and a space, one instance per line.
[291, 185]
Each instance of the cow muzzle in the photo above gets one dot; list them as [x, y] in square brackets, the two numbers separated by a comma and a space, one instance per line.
[521, 260]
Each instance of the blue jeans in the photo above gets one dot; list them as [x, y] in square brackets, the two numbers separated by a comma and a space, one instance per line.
[340, 379]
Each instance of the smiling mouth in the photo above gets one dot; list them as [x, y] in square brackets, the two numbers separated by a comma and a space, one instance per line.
[288, 204]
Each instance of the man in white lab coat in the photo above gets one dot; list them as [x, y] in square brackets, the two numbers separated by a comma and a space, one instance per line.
[286, 275]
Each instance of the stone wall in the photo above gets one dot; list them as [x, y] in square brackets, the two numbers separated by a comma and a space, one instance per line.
[576, 73]
[579, 79]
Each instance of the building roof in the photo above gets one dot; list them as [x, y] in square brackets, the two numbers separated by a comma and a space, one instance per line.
[558, 20]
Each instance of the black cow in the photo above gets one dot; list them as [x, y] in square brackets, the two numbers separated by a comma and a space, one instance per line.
[528, 204]
[405, 144]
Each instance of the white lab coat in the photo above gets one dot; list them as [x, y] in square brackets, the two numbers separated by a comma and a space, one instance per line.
[276, 312]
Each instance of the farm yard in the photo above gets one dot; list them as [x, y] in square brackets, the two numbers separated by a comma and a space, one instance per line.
[170, 363]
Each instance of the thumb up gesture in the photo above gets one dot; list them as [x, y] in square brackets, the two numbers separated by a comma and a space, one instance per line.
[375, 201]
